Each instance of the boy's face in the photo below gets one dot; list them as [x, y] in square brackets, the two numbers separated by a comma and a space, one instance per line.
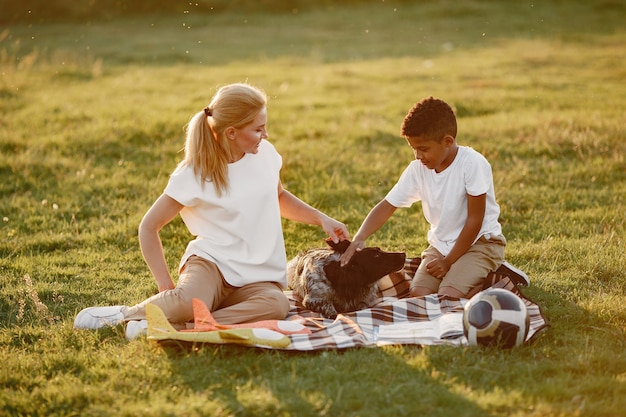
[433, 154]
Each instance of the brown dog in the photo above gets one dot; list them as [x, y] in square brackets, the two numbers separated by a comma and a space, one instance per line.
[324, 286]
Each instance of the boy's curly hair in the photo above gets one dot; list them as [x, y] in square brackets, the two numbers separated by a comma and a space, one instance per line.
[431, 118]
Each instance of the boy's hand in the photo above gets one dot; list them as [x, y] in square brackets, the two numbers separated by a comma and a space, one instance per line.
[355, 246]
[438, 268]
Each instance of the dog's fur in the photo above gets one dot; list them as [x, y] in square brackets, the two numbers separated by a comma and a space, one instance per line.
[324, 286]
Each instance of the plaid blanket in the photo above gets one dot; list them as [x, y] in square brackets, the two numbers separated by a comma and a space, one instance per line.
[393, 309]
[394, 306]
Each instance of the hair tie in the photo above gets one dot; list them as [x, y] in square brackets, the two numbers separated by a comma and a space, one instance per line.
[208, 111]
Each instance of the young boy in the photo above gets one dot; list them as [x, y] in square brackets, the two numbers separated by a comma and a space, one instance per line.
[455, 186]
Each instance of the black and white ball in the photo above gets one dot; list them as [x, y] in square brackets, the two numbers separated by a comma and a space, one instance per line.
[496, 317]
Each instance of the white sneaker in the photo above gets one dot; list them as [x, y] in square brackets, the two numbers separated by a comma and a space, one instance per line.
[518, 276]
[98, 317]
[136, 328]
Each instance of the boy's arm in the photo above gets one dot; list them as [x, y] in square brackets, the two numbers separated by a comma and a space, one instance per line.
[374, 221]
[476, 206]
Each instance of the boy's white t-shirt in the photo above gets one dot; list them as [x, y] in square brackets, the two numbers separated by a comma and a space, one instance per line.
[240, 231]
[444, 196]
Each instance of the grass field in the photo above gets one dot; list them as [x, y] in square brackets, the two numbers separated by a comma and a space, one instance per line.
[91, 119]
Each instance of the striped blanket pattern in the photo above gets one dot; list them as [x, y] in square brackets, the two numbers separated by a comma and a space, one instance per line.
[394, 306]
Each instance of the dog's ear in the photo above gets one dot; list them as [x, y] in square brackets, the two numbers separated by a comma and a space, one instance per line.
[333, 272]
[340, 246]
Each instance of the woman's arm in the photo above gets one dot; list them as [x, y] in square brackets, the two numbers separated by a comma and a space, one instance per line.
[161, 213]
[292, 208]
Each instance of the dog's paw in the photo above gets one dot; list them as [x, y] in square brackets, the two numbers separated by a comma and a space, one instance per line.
[362, 306]
[320, 306]
[329, 311]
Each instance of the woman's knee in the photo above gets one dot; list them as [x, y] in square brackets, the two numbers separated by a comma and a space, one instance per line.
[176, 305]
[279, 302]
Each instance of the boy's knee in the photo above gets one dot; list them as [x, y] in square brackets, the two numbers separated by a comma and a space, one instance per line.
[420, 291]
[451, 292]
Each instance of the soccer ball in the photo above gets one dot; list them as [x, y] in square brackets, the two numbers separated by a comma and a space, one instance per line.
[495, 317]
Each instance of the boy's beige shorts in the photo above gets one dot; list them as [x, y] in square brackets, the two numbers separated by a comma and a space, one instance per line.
[469, 271]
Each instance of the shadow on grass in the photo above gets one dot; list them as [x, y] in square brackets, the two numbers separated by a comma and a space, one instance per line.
[536, 374]
[404, 380]
[366, 382]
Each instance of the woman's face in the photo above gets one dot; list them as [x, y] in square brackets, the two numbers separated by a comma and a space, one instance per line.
[247, 139]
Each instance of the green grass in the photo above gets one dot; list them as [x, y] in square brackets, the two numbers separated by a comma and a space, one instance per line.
[91, 118]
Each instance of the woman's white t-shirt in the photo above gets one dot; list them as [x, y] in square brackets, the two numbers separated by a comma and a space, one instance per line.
[444, 196]
[241, 230]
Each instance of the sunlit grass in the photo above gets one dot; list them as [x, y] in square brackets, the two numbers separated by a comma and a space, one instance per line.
[91, 125]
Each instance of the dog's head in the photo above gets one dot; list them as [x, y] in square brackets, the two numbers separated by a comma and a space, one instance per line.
[365, 267]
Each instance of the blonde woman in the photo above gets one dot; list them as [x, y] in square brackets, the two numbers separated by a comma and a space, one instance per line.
[229, 194]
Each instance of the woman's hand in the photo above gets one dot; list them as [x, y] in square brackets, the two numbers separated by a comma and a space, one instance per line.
[166, 286]
[336, 230]
[292, 208]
